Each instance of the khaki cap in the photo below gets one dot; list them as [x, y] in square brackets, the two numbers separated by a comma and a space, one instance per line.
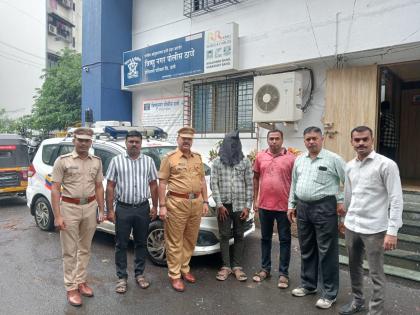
[186, 132]
[83, 133]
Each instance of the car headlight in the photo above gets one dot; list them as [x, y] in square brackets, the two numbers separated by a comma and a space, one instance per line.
[206, 238]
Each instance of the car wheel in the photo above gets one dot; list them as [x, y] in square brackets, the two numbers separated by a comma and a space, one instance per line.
[44, 216]
[156, 243]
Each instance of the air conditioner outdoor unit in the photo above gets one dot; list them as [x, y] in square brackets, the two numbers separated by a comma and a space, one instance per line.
[52, 29]
[277, 97]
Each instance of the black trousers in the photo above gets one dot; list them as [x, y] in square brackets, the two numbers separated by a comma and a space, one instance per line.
[129, 219]
[318, 238]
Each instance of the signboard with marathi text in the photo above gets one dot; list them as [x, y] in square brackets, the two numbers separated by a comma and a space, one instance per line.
[204, 52]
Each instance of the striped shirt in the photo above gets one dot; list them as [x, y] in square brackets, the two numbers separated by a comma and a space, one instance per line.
[232, 184]
[132, 177]
[315, 179]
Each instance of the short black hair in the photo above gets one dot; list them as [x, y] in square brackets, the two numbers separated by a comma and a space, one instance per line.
[361, 129]
[312, 129]
[134, 133]
[275, 130]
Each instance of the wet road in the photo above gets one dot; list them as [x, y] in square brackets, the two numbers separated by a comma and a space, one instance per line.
[32, 281]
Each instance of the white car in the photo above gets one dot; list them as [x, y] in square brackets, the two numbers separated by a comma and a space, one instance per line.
[39, 193]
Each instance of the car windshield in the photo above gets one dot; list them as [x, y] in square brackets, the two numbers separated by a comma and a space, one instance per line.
[157, 153]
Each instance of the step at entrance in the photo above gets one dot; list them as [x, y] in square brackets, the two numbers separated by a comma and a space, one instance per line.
[404, 262]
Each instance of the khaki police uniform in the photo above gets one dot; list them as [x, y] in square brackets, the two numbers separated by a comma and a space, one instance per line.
[78, 178]
[184, 175]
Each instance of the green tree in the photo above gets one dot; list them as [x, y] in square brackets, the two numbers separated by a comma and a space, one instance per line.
[58, 102]
[5, 122]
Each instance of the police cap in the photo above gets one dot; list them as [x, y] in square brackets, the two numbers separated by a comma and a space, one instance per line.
[186, 132]
[83, 133]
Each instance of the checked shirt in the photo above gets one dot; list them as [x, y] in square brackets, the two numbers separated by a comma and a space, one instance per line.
[232, 185]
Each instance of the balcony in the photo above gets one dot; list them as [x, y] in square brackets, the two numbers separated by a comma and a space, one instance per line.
[60, 28]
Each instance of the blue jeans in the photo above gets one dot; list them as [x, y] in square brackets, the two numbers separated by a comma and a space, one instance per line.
[267, 218]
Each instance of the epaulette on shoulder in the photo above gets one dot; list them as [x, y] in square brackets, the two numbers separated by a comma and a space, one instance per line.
[65, 155]
[171, 153]
[97, 157]
[193, 152]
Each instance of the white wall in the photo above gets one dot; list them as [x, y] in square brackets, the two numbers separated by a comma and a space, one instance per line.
[278, 35]
[55, 44]
[22, 53]
[77, 30]
[274, 32]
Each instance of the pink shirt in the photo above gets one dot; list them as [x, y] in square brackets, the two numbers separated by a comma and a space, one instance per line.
[275, 179]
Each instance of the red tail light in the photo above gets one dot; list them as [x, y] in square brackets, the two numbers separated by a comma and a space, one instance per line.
[7, 147]
[24, 173]
[31, 171]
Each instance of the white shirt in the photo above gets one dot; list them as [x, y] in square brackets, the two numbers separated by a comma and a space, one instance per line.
[372, 187]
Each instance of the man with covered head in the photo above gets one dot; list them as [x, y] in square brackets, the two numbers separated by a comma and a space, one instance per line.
[231, 183]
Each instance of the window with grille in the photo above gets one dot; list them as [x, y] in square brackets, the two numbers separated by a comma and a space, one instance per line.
[199, 7]
[223, 106]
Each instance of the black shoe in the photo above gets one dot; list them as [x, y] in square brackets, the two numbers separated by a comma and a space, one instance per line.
[351, 308]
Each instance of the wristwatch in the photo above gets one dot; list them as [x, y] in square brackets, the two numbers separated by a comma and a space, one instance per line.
[205, 202]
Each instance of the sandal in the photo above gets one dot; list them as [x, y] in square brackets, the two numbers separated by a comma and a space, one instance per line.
[142, 282]
[223, 273]
[261, 276]
[121, 286]
[283, 282]
[239, 274]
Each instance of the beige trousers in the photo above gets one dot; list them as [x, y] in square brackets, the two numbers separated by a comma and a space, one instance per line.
[181, 232]
[76, 240]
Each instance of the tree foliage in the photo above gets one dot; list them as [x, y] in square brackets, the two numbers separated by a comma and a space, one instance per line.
[58, 102]
[5, 122]
[21, 125]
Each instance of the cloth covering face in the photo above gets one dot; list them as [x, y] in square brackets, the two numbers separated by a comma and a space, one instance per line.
[230, 151]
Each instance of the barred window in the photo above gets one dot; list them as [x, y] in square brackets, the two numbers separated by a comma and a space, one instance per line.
[223, 106]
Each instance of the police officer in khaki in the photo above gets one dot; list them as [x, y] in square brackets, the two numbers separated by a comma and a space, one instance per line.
[77, 181]
[182, 202]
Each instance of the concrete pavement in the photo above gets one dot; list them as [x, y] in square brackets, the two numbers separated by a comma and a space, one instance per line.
[32, 280]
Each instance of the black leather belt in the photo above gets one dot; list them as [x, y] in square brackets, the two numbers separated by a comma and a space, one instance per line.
[132, 205]
[315, 202]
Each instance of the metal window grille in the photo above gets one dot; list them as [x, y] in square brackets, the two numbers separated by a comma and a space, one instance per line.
[220, 106]
[199, 7]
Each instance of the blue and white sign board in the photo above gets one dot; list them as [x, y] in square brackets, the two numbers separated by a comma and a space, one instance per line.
[204, 52]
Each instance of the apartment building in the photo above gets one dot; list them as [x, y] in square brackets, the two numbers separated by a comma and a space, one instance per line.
[64, 27]
[33, 33]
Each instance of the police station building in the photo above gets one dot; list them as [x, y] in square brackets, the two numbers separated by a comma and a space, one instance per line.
[220, 65]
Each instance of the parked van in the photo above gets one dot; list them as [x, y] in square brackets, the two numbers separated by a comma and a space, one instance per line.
[14, 163]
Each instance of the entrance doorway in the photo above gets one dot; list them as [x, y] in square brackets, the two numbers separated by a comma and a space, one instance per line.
[398, 131]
